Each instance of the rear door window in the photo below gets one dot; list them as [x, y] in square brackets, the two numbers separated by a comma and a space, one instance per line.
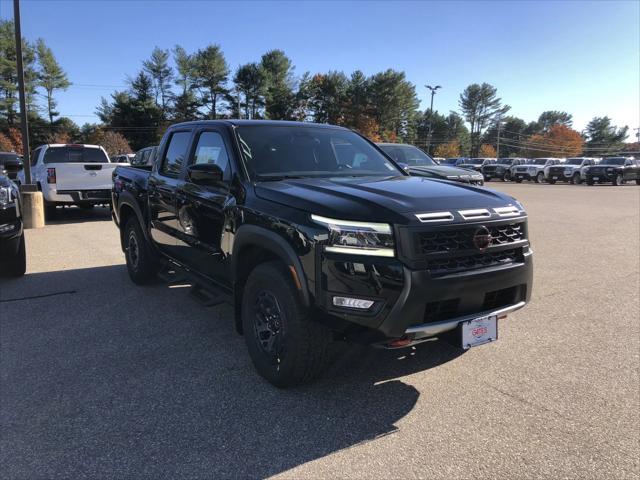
[175, 154]
[75, 155]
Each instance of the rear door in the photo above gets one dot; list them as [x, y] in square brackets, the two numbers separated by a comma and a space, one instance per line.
[162, 186]
[201, 209]
[79, 168]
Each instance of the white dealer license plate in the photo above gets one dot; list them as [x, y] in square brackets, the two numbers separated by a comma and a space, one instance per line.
[596, 178]
[479, 331]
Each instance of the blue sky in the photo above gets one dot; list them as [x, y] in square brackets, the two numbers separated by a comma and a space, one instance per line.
[582, 57]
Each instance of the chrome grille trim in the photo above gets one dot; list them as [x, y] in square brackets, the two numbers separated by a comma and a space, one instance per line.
[435, 217]
[475, 213]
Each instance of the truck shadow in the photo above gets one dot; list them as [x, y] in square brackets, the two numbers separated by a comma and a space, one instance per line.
[145, 382]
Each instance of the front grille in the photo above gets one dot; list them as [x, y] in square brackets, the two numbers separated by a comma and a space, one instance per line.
[442, 310]
[522, 169]
[471, 262]
[556, 170]
[454, 240]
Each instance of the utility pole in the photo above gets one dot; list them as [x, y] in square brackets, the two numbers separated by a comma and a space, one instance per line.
[498, 142]
[32, 201]
[24, 125]
[433, 92]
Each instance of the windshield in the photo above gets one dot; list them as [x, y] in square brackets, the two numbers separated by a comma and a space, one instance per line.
[412, 156]
[574, 161]
[74, 154]
[539, 161]
[505, 161]
[273, 152]
[613, 161]
[475, 161]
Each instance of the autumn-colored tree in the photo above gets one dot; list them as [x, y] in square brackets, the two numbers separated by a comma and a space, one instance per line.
[113, 142]
[448, 150]
[5, 143]
[487, 151]
[559, 141]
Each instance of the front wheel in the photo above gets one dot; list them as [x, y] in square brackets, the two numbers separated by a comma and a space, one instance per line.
[506, 177]
[576, 180]
[286, 346]
[539, 177]
[16, 265]
[618, 180]
[142, 263]
[590, 182]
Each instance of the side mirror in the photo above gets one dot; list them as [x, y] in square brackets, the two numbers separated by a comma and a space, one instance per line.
[205, 174]
[403, 166]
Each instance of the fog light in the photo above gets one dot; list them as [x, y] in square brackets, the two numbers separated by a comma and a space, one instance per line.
[352, 302]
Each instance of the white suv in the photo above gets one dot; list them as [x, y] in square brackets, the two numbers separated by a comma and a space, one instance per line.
[72, 174]
[571, 171]
[534, 169]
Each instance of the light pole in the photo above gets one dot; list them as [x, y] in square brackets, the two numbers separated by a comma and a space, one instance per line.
[433, 92]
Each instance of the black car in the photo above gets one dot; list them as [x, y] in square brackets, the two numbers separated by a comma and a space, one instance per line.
[419, 164]
[615, 170]
[12, 248]
[144, 156]
[314, 235]
[501, 169]
[11, 164]
[477, 164]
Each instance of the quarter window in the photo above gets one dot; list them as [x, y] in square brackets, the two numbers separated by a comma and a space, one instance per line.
[175, 155]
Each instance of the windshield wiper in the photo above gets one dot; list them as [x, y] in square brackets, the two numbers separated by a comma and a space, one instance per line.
[272, 178]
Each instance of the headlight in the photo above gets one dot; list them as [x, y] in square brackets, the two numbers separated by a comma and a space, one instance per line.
[609, 170]
[358, 238]
[5, 195]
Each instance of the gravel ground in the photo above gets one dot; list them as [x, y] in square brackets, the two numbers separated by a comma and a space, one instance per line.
[101, 378]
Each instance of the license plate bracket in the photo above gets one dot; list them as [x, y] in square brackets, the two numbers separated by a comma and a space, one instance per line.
[479, 331]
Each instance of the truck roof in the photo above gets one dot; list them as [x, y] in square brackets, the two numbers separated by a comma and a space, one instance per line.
[239, 122]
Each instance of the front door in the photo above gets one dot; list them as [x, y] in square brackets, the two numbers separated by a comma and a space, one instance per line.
[201, 209]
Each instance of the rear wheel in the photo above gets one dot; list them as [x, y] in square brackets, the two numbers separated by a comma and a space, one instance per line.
[618, 180]
[16, 265]
[286, 346]
[142, 263]
[576, 180]
[540, 177]
[638, 181]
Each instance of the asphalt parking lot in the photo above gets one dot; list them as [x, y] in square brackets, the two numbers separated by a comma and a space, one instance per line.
[101, 378]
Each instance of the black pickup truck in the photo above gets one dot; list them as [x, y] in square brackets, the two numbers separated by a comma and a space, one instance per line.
[12, 248]
[614, 170]
[316, 235]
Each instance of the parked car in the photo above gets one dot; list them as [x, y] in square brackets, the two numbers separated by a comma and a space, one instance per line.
[570, 171]
[453, 162]
[122, 158]
[315, 235]
[145, 156]
[11, 163]
[534, 169]
[438, 160]
[477, 163]
[71, 174]
[501, 169]
[13, 261]
[420, 164]
[615, 170]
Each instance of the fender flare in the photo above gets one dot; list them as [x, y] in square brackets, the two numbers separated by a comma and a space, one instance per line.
[127, 199]
[267, 239]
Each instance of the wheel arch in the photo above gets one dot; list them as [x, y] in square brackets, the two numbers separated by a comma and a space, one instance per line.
[254, 245]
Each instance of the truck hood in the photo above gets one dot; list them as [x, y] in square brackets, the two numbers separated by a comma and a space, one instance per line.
[442, 171]
[384, 199]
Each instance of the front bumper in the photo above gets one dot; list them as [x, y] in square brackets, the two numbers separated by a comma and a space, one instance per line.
[524, 176]
[414, 304]
[605, 177]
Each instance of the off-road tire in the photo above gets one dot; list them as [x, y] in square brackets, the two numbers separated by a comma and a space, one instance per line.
[303, 351]
[540, 177]
[575, 179]
[142, 262]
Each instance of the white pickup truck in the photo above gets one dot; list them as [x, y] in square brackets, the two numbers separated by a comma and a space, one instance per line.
[72, 174]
